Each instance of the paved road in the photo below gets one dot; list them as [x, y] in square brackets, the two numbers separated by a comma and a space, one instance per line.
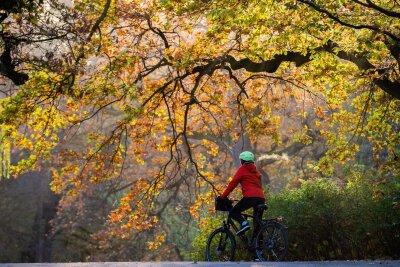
[212, 264]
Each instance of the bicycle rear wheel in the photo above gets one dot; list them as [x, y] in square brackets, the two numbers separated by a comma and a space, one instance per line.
[272, 242]
[221, 246]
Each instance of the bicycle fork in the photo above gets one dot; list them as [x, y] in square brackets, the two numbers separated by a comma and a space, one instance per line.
[222, 239]
[222, 242]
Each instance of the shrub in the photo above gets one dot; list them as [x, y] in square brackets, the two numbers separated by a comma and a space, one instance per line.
[328, 222]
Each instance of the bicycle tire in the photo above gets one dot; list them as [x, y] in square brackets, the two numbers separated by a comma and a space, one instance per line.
[221, 246]
[272, 242]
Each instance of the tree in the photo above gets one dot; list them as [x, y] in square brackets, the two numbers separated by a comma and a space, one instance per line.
[180, 87]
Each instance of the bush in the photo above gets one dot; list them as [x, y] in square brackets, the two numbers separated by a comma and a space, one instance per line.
[328, 222]
[206, 226]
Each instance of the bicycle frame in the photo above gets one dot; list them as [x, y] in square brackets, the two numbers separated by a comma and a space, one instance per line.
[257, 223]
[256, 220]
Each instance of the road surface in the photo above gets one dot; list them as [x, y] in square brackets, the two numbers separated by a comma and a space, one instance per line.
[382, 263]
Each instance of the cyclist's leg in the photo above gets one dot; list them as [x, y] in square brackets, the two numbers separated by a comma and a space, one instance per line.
[242, 205]
[257, 213]
[245, 204]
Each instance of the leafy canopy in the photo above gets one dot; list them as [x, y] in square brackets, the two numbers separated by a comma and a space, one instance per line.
[154, 99]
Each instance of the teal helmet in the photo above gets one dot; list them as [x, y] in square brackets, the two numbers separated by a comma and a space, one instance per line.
[246, 156]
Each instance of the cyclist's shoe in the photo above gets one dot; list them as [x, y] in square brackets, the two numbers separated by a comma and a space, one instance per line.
[243, 228]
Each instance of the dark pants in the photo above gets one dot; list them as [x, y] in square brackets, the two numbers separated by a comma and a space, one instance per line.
[245, 204]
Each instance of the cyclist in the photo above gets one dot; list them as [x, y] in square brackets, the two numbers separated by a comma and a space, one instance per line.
[250, 179]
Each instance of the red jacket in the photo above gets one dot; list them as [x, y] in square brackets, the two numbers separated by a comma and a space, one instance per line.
[249, 178]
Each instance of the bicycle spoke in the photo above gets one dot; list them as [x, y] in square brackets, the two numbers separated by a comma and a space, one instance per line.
[271, 243]
[220, 246]
[274, 254]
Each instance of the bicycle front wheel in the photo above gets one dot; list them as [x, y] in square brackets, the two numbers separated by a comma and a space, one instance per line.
[272, 242]
[221, 246]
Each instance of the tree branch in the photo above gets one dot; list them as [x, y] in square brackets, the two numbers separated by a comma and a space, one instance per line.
[391, 87]
[338, 20]
[370, 4]
[7, 68]
[103, 15]
[269, 65]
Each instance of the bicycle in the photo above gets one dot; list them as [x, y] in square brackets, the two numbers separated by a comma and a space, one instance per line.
[269, 240]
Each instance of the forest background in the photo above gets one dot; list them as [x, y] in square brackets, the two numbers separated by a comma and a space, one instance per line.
[121, 120]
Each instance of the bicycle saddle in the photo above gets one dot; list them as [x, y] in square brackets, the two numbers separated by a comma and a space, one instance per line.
[262, 206]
